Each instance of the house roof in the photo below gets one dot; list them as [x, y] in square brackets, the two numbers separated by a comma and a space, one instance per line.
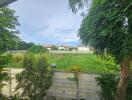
[48, 46]
[6, 2]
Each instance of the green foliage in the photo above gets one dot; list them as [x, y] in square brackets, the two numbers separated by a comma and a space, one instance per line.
[35, 79]
[4, 59]
[8, 32]
[107, 27]
[37, 49]
[2, 97]
[17, 57]
[75, 69]
[77, 4]
[28, 61]
[108, 84]
[8, 36]
[22, 45]
[86, 62]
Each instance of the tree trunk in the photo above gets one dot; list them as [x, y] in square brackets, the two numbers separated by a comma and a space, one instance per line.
[125, 76]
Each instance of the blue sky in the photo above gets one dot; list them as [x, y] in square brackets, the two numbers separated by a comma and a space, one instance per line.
[47, 21]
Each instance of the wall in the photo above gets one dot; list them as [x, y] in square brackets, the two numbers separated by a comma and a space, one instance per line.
[64, 85]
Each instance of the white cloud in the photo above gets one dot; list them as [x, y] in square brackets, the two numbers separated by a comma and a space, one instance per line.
[47, 20]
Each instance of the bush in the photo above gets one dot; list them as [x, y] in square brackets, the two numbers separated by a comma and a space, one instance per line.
[2, 97]
[37, 49]
[17, 57]
[108, 84]
[35, 79]
[4, 59]
[75, 69]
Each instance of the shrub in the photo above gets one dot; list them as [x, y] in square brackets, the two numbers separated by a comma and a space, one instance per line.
[37, 49]
[17, 57]
[35, 79]
[2, 97]
[4, 59]
[75, 69]
[108, 84]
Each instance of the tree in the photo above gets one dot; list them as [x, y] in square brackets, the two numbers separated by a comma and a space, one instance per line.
[35, 79]
[54, 47]
[108, 28]
[37, 49]
[8, 36]
[22, 45]
[8, 32]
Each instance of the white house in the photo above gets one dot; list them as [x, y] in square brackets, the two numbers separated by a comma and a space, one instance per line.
[63, 47]
[49, 47]
[83, 48]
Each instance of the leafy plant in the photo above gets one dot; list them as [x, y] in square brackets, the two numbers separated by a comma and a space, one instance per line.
[108, 84]
[75, 69]
[35, 79]
[107, 27]
[8, 37]
[37, 49]
[4, 59]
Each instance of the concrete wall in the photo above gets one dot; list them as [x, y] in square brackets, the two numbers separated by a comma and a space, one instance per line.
[61, 51]
[64, 85]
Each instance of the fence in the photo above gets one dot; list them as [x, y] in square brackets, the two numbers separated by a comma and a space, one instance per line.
[65, 85]
[69, 82]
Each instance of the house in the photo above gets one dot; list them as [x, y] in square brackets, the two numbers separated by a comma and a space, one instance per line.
[63, 47]
[49, 47]
[84, 48]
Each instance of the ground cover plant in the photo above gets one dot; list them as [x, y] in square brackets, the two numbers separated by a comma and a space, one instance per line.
[87, 62]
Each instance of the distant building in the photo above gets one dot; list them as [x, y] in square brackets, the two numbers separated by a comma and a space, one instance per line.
[49, 47]
[63, 47]
[83, 48]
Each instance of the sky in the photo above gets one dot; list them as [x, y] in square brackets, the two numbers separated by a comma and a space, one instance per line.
[47, 22]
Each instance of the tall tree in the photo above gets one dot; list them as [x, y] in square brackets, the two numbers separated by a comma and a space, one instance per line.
[8, 32]
[108, 28]
[8, 35]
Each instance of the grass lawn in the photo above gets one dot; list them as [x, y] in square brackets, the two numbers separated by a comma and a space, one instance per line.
[87, 62]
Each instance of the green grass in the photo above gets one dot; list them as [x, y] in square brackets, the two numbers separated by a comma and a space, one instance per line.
[87, 62]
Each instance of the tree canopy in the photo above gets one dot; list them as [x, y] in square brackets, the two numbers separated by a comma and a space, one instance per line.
[8, 36]
[37, 49]
[108, 28]
[8, 31]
